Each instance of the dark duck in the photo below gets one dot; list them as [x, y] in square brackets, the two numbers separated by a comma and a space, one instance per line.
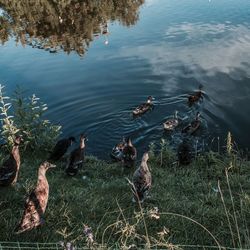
[61, 148]
[195, 97]
[144, 107]
[36, 202]
[10, 168]
[184, 152]
[129, 154]
[193, 126]
[76, 157]
[142, 180]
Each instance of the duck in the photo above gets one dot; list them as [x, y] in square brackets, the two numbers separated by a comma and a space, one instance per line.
[129, 154]
[117, 151]
[195, 97]
[10, 168]
[61, 148]
[76, 157]
[184, 152]
[36, 202]
[144, 107]
[193, 126]
[142, 180]
[171, 124]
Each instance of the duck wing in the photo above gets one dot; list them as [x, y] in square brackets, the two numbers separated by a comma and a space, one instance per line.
[8, 171]
[32, 215]
[60, 149]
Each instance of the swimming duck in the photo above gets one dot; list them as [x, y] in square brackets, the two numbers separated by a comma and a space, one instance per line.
[171, 124]
[142, 180]
[195, 97]
[10, 168]
[184, 152]
[76, 157]
[144, 107]
[193, 126]
[129, 154]
[36, 203]
[61, 148]
[117, 151]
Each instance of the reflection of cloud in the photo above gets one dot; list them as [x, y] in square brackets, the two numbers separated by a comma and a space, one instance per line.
[199, 50]
[150, 2]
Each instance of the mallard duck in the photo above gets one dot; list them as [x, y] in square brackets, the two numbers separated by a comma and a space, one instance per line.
[171, 124]
[184, 152]
[61, 148]
[195, 97]
[144, 107]
[193, 126]
[36, 203]
[10, 168]
[129, 154]
[76, 157]
[117, 151]
[142, 180]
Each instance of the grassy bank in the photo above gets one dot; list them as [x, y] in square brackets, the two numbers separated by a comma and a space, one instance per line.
[206, 203]
[186, 197]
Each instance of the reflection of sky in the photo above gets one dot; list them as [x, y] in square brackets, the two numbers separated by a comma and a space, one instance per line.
[211, 48]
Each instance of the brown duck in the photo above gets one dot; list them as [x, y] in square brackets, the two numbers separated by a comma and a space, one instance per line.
[10, 168]
[193, 126]
[195, 97]
[76, 157]
[36, 203]
[129, 154]
[142, 180]
[144, 107]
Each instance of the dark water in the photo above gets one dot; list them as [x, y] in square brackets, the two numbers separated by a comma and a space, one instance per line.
[159, 48]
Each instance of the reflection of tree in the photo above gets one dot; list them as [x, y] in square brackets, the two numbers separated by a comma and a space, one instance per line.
[65, 24]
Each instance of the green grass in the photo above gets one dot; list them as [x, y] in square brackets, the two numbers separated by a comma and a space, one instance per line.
[186, 197]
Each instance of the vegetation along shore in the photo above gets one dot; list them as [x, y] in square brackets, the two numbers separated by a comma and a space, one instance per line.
[202, 205]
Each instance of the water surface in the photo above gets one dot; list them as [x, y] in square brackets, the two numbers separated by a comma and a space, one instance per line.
[110, 58]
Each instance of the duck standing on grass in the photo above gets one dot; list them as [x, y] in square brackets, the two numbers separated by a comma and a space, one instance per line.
[144, 107]
[76, 157]
[193, 126]
[129, 154]
[171, 124]
[61, 148]
[10, 168]
[184, 152]
[36, 203]
[142, 180]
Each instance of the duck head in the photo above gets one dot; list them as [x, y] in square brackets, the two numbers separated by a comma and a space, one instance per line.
[150, 99]
[45, 166]
[83, 138]
[18, 140]
[128, 141]
[145, 157]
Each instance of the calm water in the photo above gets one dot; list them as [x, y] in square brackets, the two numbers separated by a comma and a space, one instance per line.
[159, 48]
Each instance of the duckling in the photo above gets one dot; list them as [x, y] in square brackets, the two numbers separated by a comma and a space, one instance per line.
[76, 157]
[193, 126]
[36, 202]
[171, 124]
[144, 107]
[117, 151]
[10, 168]
[142, 180]
[195, 97]
[184, 152]
[129, 154]
[61, 148]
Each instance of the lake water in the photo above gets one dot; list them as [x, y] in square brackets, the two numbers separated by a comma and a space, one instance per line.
[109, 58]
